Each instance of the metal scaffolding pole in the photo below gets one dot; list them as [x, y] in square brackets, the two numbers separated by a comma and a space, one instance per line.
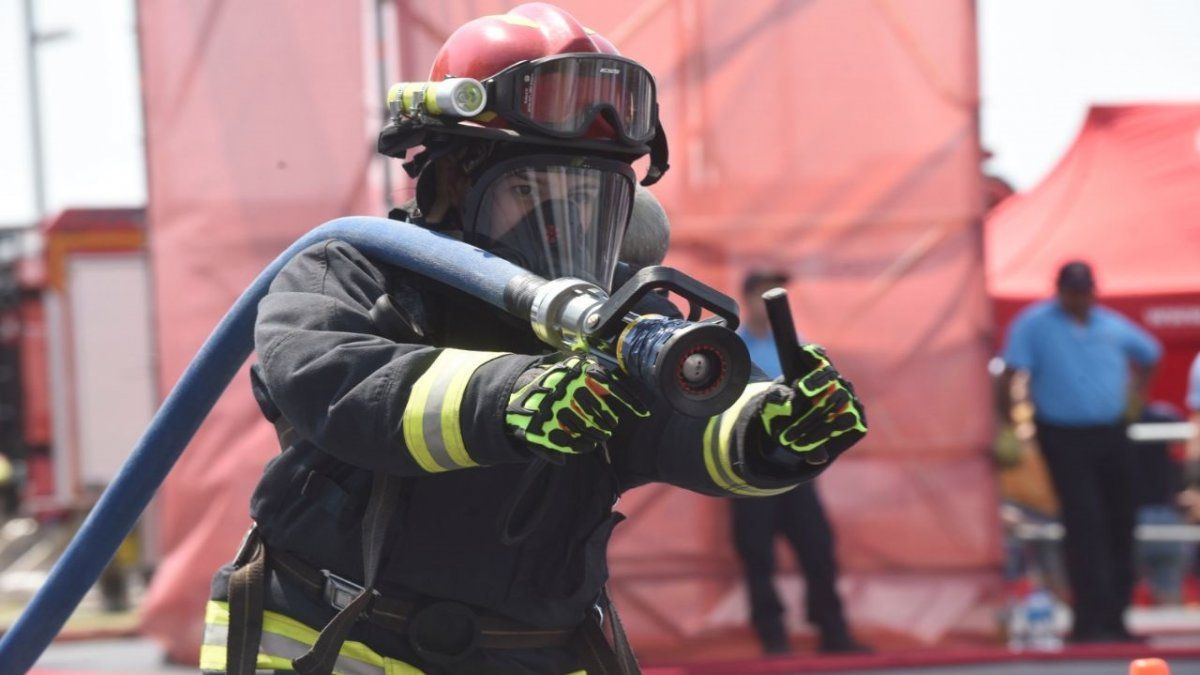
[35, 112]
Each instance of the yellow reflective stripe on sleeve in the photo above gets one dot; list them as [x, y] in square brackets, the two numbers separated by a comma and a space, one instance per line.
[456, 388]
[718, 436]
[414, 410]
[710, 463]
[431, 422]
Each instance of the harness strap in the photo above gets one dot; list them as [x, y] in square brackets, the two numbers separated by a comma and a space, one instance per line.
[247, 590]
[396, 615]
[599, 655]
[595, 654]
[385, 496]
[246, 604]
[620, 642]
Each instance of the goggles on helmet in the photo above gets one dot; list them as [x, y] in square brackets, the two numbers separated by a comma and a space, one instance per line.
[562, 95]
[554, 215]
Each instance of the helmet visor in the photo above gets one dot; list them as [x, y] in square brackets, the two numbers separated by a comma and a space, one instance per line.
[563, 95]
[556, 216]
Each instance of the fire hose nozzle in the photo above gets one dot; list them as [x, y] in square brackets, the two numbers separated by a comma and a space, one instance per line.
[699, 367]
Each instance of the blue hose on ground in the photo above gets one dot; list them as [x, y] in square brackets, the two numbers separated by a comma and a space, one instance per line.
[463, 267]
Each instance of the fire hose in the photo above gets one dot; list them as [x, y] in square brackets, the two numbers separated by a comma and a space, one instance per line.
[699, 366]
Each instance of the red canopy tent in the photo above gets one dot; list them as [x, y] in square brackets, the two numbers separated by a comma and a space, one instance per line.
[1125, 197]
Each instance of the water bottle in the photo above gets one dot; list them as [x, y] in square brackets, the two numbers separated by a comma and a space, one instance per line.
[1040, 634]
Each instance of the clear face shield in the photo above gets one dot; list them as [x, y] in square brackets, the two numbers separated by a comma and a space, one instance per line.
[554, 215]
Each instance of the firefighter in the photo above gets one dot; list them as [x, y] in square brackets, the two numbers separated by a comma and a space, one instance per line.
[444, 496]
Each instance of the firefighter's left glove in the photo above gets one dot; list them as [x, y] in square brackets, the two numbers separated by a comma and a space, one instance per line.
[570, 407]
[818, 411]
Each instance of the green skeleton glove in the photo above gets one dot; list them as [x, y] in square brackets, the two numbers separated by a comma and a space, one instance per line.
[818, 410]
[570, 407]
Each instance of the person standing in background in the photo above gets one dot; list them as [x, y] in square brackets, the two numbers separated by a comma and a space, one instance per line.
[797, 515]
[1193, 406]
[1085, 364]
[1189, 499]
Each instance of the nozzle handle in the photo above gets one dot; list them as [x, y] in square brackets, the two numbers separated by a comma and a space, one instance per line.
[654, 277]
[793, 361]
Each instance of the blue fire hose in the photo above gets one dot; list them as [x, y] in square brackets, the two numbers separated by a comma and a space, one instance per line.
[463, 267]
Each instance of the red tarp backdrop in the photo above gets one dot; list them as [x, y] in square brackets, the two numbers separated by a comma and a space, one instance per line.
[256, 131]
[1125, 197]
[835, 139]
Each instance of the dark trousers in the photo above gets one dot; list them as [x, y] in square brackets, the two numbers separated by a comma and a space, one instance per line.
[799, 517]
[1094, 472]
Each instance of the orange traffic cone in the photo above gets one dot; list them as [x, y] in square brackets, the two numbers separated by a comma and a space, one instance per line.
[1149, 667]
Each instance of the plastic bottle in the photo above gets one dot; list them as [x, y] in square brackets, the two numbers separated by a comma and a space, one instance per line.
[1040, 633]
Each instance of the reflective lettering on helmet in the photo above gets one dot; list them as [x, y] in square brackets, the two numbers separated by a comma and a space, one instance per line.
[516, 20]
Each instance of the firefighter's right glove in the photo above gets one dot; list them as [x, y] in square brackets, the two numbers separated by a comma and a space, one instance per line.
[817, 412]
[570, 407]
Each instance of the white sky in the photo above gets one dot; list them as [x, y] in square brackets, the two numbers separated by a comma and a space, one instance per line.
[91, 108]
[1042, 62]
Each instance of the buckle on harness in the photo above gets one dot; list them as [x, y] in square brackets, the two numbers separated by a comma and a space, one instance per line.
[340, 591]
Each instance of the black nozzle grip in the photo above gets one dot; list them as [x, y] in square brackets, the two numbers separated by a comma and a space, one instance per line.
[793, 361]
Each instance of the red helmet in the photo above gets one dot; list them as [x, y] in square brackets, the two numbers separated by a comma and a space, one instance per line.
[545, 86]
[483, 47]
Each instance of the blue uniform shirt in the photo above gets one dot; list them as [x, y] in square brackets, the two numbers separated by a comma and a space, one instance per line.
[1079, 373]
[762, 351]
[1193, 392]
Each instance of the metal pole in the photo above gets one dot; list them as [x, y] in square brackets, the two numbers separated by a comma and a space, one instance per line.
[382, 85]
[35, 113]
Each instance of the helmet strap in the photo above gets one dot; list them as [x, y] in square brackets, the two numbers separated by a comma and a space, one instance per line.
[658, 157]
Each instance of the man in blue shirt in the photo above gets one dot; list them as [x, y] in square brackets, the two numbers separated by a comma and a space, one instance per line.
[1084, 363]
[797, 515]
